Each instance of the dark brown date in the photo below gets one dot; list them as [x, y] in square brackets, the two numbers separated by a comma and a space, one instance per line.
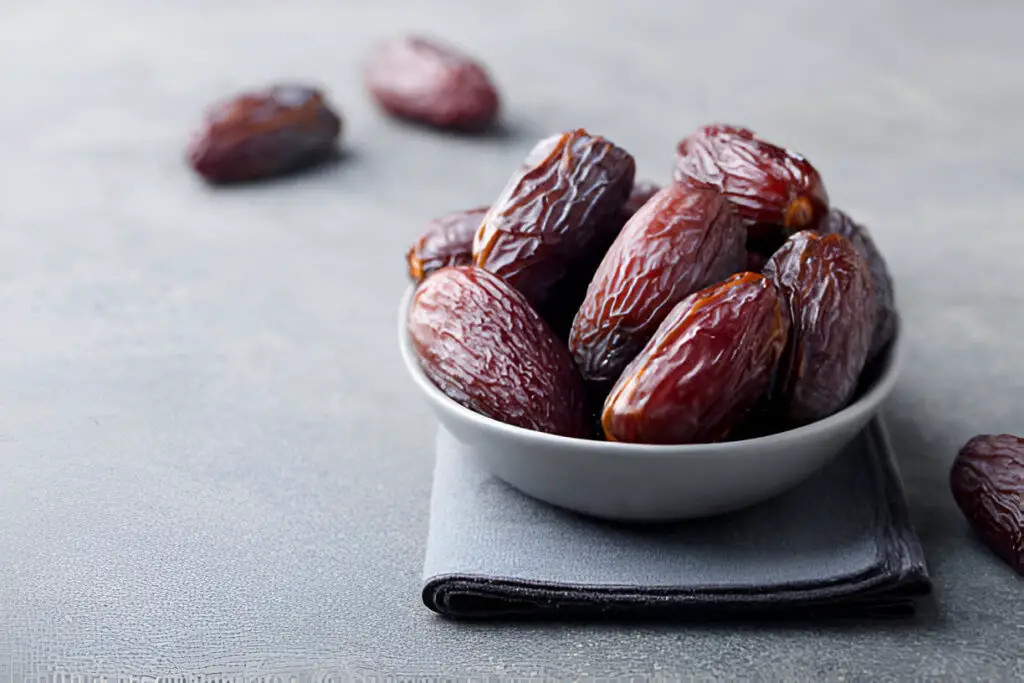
[827, 286]
[709, 362]
[555, 213]
[987, 480]
[683, 239]
[482, 344]
[427, 81]
[777, 191]
[840, 223]
[447, 241]
[261, 134]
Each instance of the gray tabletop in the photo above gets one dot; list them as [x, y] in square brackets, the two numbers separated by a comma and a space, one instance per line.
[211, 460]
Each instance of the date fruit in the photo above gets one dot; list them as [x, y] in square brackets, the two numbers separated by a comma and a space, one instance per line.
[777, 191]
[482, 344]
[827, 286]
[987, 480]
[839, 223]
[555, 213]
[265, 133]
[708, 363]
[429, 82]
[447, 241]
[683, 239]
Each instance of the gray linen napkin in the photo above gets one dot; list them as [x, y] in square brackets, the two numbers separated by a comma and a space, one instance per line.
[839, 544]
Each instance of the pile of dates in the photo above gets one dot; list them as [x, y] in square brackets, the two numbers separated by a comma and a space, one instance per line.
[734, 301]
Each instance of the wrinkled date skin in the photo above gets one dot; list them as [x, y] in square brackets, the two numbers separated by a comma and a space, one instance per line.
[709, 362]
[777, 191]
[555, 214]
[483, 345]
[987, 480]
[262, 134]
[447, 241]
[426, 81]
[827, 285]
[839, 223]
[683, 239]
[566, 300]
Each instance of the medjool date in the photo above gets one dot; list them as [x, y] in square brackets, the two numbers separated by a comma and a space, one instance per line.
[554, 213]
[480, 342]
[827, 286]
[447, 241]
[987, 480]
[424, 80]
[840, 223]
[257, 135]
[777, 191]
[684, 238]
[708, 363]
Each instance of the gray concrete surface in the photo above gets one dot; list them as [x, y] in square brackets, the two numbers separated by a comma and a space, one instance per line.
[210, 459]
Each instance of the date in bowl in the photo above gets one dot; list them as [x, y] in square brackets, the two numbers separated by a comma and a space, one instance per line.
[649, 483]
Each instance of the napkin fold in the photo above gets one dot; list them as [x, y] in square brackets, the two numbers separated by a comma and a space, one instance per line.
[840, 544]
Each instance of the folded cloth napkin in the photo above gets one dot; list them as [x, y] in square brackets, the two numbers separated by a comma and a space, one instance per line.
[838, 544]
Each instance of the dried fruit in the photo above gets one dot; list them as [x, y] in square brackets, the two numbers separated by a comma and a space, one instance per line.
[261, 134]
[555, 213]
[430, 82]
[827, 285]
[642, 191]
[839, 223]
[777, 191]
[987, 480]
[684, 238]
[483, 345]
[447, 241]
[709, 362]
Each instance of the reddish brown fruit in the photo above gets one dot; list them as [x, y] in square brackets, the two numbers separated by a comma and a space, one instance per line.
[777, 191]
[987, 480]
[483, 345]
[827, 285]
[447, 241]
[706, 366]
[684, 238]
[261, 134]
[430, 82]
[555, 213]
[839, 223]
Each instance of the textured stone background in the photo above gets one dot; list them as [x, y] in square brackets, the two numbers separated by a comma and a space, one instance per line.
[210, 458]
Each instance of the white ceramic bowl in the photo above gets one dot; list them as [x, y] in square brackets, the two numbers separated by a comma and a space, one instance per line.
[634, 482]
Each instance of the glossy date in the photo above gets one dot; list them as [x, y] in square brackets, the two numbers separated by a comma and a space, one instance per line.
[840, 223]
[987, 481]
[708, 363]
[555, 213]
[257, 135]
[827, 286]
[480, 342]
[684, 238]
[424, 80]
[446, 241]
[777, 191]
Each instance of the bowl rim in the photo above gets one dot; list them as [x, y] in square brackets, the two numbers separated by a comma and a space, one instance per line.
[868, 403]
